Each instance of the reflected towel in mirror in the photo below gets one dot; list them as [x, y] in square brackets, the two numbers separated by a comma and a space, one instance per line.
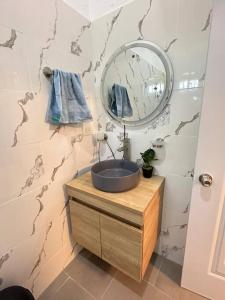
[119, 101]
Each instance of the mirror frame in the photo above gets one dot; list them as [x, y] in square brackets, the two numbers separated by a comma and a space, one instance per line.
[169, 82]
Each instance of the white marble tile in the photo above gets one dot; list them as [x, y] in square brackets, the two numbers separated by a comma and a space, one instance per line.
[48, 52]
[173, 252]
[69, 131]
[103, 31]
[38, 171]
[161, 25]
[139, 143]
[189, 66]
[76, 39]
[81, 6]
[22, 170]
[48, 198]
[24, 113]
[59, 159]
[68, 14]
[86, 152]
[194, 17]
[52, 268]
[175, 217]
[20, 17]
[35, 269]
[22, 259]
[185, 112]
[40, 246]
[60, 234]
[14, 73]
[179, 156]
[157, 23]
[51, 57]
[19, 228]
[12, 115]
[98, 8]
[175, 27]
[177, 193]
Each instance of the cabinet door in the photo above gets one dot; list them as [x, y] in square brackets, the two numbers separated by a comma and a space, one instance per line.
[85, 227]
[121, 246]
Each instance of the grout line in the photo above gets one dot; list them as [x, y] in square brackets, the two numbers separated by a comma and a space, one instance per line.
[157, 272]
[158, 289]
[157, 275]
[109, 285]
[155, 281]
[56, 291]
[81, 286]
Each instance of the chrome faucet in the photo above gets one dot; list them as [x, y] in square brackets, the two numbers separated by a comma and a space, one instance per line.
[125, 149]
[126, 146]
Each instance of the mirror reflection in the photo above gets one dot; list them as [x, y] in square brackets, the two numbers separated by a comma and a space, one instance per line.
[136, 84]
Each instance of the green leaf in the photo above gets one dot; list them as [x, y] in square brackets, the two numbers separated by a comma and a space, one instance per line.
[148, 156]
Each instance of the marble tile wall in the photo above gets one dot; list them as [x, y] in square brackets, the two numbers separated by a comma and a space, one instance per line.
[98, 8]
[122, 71]
[182, 29]
[81, 6]
[36, 159]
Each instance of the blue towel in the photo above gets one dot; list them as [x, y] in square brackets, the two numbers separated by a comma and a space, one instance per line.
[67, 102]
[119, 101]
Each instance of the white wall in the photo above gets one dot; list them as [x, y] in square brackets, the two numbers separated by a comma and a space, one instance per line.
[181, 28]
[94, 9]
[81, 6]
[99, 8]
[37, 159]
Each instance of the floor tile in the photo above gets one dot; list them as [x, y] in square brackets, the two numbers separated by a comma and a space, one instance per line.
[88, 277]
[152, 271]
[50, 292]
[91, 272]
[71, 291]
[122, 287]
[183, 294]
[169, 277]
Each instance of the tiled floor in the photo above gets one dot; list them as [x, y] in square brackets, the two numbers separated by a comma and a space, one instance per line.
[88, 278]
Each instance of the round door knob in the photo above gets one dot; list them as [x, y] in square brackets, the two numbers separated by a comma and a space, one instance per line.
[206, 180]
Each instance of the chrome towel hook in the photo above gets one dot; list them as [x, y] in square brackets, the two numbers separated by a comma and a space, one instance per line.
[48, 72]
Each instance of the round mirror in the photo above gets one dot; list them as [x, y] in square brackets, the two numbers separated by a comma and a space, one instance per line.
[137, 83]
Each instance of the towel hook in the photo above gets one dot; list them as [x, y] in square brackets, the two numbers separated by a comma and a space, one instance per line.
[48, 72]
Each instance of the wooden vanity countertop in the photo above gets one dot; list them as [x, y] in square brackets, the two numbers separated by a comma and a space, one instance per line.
[136, 200]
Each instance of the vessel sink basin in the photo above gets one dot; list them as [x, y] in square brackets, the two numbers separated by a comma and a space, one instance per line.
[116, 175]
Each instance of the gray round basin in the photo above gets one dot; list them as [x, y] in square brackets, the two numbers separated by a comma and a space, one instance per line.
[116, 175]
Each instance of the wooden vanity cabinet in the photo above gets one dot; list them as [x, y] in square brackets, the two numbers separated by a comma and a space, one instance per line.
[121, 246]
[120, 228]
[86, 227]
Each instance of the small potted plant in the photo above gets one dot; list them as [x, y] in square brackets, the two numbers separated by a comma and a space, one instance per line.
[148, 156]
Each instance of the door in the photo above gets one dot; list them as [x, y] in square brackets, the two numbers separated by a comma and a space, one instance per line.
[204, 263]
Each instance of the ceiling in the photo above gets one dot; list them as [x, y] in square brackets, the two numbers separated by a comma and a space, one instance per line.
[94, 9]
